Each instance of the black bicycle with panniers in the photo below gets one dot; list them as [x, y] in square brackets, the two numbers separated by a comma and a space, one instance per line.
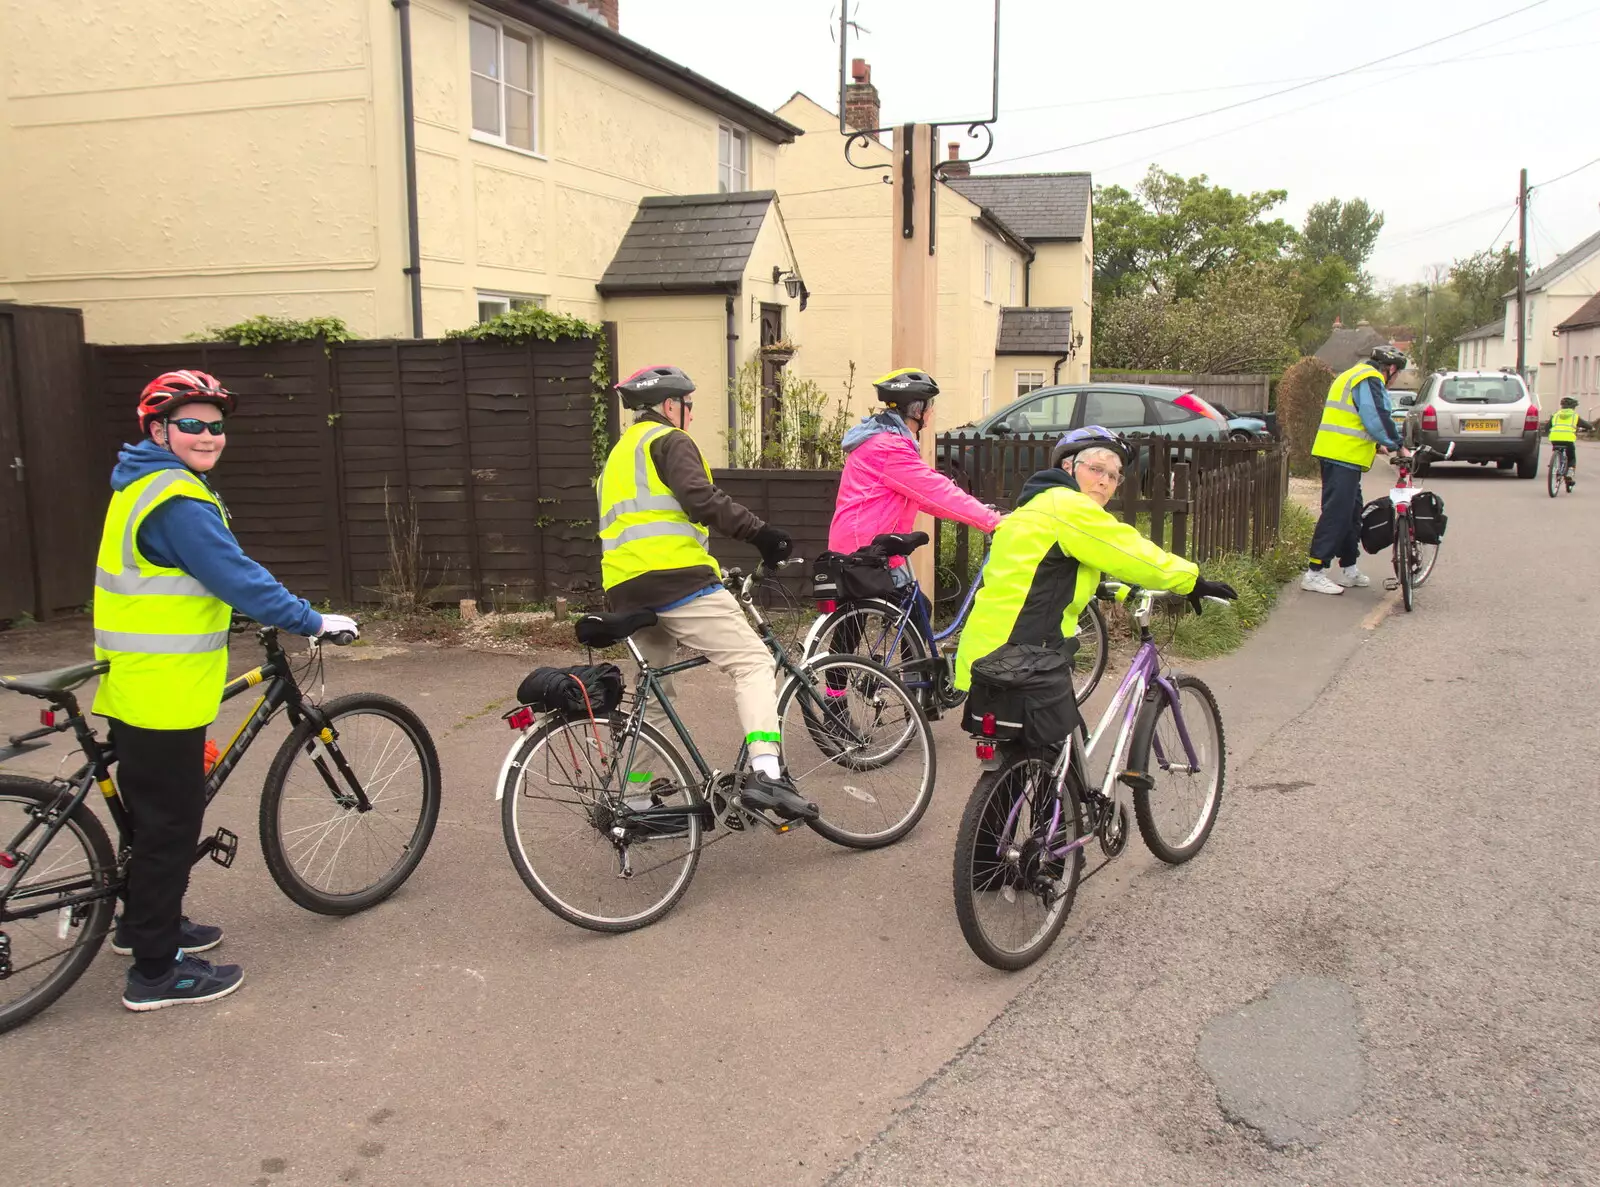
[348, 807]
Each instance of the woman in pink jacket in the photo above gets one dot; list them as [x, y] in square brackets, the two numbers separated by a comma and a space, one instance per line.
[886, 482]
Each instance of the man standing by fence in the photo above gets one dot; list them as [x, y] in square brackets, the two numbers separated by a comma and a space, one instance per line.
[1357, 425]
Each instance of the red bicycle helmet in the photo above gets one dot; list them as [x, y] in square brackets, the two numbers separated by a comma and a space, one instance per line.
[175, 388]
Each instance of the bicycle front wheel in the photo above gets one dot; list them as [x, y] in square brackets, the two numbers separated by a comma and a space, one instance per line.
[1094, 648]
[1423, 558]
[1012, 893]
[1552, 476]
[856, 745]
[1177, 811]
[1404, 570]
[46, 940]
[323, 851]
[566, 810]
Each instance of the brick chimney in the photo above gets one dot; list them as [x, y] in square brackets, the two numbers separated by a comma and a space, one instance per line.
[861, 98]
[602, 12]
[956, 167]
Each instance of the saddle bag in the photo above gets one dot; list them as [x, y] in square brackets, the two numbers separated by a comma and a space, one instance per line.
[1022, 692]
[1377, 525]
[582, 691]
[851, 577]
[1427, 517]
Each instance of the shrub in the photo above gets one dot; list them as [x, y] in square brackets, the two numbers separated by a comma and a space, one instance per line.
[1302, 392]
[262, 330]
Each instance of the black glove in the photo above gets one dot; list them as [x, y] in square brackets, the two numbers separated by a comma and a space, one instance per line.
[774, 545]
[1210, 589]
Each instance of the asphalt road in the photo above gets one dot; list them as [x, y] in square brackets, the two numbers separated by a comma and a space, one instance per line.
[1381, 969]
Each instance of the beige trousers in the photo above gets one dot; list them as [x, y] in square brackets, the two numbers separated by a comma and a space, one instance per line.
[715, 625]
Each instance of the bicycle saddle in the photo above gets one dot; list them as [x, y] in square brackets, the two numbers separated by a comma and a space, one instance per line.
[899, 543]
[604, 630]
[54, 683]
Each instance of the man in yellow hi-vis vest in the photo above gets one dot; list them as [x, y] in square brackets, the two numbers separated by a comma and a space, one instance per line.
[168, 574]
[657, 502]
[1357, 425]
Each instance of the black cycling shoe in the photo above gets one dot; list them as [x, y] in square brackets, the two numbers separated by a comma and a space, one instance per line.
[192, 937]
[776, 795]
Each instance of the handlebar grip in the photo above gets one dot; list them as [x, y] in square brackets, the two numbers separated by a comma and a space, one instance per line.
[339, 638]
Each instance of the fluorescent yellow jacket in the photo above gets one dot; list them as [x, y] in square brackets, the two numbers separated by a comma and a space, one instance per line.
[643, 527]
[1564, 425]
[1045, 562]
[165, 633]
[1342, 437]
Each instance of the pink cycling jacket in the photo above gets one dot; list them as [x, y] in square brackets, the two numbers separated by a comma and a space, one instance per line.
[886, 482]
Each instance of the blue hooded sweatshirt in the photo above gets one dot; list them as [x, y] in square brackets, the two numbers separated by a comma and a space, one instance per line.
[190, 535]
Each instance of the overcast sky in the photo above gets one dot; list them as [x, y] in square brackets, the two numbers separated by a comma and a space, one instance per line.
[1433, 138]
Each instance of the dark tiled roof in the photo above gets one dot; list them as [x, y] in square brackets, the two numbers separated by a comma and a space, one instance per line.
[1493, 330]
[1588, 315]
[1038, 206]
[694, 244]
[1040, 329]
[1563, 263]
[1348, 345]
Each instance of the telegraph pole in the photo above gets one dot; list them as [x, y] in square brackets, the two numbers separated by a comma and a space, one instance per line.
[1522, 277]
[915, 289]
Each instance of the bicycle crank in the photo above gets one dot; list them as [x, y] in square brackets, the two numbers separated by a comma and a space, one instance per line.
[1113, 831]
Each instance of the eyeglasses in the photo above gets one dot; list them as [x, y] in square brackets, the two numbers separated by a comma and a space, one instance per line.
[688, 405]
[194, 426]
[1112, 476]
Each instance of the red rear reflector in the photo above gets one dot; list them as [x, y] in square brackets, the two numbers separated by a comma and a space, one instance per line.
[521, 719]
[985, 750]
[1530, 423]
[1430, 419]
[47, 716]
[827, 607]
[988, 725]
[8, 860]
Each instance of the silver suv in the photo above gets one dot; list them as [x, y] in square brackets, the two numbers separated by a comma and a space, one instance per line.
[1487, 415]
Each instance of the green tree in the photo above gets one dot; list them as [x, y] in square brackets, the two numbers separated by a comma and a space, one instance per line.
[1241, 318]
[1166, 234]
[1328, 265]
[1481, 281]
[1348, 230]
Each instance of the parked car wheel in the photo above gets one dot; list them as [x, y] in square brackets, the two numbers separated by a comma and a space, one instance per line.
[1241, 435]
[1528, 465]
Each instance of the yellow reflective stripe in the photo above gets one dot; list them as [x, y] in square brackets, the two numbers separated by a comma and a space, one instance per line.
[152, 644]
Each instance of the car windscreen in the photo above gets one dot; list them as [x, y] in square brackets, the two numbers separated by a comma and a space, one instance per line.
[1481, 389]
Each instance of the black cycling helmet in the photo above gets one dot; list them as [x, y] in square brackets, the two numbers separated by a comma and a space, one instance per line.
[908, 385]
[1388, 356]
[649, 386]
[1569, 401]
[1092, 437]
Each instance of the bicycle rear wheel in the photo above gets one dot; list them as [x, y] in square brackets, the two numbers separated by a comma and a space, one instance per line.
[323, 851]
[1177, 811]
[1094, 648]
[856, 744]
[873, 631]
[46, 946]
[1012, 897]
[564, 794]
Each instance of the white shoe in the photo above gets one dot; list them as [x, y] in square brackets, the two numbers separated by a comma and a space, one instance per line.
[1317, 581]
[1351, 578]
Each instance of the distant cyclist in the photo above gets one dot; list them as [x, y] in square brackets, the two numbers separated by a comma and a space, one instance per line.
[1049, 554]
[1564, 425]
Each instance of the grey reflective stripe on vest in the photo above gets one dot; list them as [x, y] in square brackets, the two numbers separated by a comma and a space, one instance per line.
[641, 483]
[643, 531]
[1342, 431]
[133, 585]
[144, 644]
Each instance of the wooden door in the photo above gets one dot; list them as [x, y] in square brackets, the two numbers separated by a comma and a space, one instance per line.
[771, 375]
[16, 544]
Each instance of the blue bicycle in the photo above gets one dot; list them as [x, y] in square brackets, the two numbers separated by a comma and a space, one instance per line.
[899, 635]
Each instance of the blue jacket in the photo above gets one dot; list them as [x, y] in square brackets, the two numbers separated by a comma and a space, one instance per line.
[190, 535]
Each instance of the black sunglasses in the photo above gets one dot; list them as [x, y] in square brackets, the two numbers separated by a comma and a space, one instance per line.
[194, 426]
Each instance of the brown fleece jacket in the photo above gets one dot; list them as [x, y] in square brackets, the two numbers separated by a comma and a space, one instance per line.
[682, 468]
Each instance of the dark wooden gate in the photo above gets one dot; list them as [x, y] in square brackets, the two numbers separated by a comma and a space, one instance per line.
[16, 545]
[771, 374]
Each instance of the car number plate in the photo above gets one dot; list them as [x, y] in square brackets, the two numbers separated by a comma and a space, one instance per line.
[1480, 426]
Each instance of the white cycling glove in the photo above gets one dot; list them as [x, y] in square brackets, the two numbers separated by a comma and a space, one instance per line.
[335, 624]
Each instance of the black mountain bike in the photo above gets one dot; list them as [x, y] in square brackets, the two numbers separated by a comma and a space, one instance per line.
[347, 810]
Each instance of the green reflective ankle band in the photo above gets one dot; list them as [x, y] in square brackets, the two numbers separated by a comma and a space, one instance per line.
[763, 736]
[639, 776]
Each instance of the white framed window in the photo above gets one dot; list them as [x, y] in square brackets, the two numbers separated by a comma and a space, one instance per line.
[985, 389]
[504, 91]
[733, 159]
[1011, 299]
[988, 271]
[1029, 381]
[494, 304]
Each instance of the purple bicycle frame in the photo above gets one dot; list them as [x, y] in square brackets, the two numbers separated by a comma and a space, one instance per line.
[1143, 673]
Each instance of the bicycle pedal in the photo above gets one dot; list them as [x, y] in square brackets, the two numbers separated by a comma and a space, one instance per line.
[222, 847]
[774, 823]
[1136, 780]
[1391, 583]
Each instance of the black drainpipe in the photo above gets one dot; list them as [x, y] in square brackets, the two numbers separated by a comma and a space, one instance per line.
[1027, 278]
[414, 270]
[733, 373]
[1056, 375]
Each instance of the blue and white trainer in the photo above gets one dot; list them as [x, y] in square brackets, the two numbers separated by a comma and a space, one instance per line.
[192, 937]
[190, 981]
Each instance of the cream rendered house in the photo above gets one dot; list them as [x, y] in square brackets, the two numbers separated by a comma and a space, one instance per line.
[1578, 364]
[840, 219]
[167, 165]
[1554, 293]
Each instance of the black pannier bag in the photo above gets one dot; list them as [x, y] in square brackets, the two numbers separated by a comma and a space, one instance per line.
[1377, 525]
[562, 690]
[851, 577]
[1427, 517]
[1028, 690]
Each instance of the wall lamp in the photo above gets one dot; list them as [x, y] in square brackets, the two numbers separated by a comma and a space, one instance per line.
[789, 280]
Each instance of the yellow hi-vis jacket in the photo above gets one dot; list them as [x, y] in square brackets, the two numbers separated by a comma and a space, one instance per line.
[1342, 437]
[643, 527]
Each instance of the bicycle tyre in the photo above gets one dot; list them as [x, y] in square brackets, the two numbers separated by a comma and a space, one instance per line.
[972, 865]
[1144, 731]
[1552, 475]
[874, 620]
[90, 834]
[274, 837]
[1403, 572]
[1424, 557]
[1091, 625]
[523, 750]
[886, 699]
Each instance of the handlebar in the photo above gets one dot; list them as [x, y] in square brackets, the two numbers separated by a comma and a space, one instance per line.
[1423, 452]
[243, 622]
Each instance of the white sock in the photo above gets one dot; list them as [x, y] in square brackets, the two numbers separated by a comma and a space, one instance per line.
[767, 764]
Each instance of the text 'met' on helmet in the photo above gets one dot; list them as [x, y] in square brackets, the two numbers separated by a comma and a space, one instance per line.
[649, 386]
[1388, 356]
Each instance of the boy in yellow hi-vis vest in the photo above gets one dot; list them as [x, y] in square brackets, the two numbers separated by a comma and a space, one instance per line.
[1357, 425]
[168, 575]
[1564, 426]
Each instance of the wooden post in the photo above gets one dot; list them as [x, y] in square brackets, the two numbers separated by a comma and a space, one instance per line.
[915, 274]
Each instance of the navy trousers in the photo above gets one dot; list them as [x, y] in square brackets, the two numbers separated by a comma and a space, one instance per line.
[1338, 534]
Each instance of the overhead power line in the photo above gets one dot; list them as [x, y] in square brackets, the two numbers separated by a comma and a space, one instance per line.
[1564, 176]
